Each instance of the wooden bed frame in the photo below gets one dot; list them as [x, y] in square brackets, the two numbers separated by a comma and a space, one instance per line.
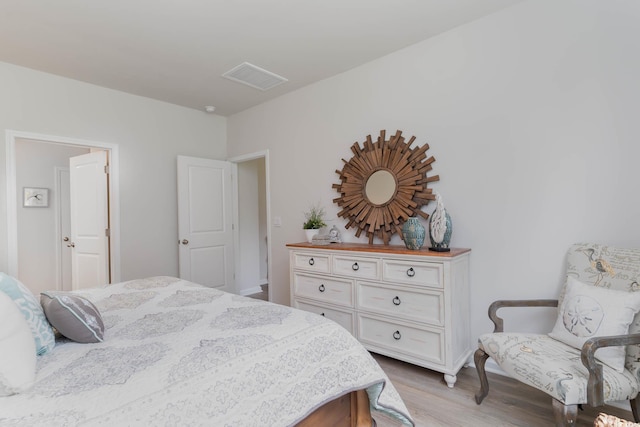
[350, 410]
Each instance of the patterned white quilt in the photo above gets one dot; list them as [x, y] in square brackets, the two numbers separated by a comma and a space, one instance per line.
[177, 353]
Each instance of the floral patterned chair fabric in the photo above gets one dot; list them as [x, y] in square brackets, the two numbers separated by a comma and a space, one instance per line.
[572, 376]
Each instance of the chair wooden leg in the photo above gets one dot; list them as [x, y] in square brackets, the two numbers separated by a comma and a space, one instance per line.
[480, 358]
[565, 415]
[635, 408]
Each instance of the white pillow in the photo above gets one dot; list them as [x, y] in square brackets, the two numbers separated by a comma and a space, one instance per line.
[32, 312]
[590, 311]
[17, 349]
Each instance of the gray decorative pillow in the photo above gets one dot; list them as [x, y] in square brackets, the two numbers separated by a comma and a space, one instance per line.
[73, 316]
[590, 311]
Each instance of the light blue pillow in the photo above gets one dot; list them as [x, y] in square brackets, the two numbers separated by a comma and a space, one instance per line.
[32, 312]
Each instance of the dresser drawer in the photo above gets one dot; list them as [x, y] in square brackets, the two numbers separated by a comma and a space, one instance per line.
[360, 267]
[342, 318]
[322, 288]
[413, 272]
[421, 306]
[422, 343]
[311, 262]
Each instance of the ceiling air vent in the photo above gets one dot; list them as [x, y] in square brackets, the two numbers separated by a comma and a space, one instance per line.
[253, 76]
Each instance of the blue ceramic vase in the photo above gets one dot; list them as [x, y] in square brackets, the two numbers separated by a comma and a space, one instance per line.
[413, 233]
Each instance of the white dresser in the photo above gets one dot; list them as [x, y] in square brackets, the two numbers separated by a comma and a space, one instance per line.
[406, 304]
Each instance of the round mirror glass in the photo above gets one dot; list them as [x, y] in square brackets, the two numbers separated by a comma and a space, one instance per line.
[380, 187]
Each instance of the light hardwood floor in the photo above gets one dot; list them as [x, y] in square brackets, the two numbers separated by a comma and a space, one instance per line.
[509, 403]
[264, 295]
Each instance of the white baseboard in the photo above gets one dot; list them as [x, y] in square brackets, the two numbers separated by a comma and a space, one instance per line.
[493, 367]
[490, 366]
[251, 291]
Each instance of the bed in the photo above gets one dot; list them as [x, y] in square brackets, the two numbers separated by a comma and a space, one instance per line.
[177, 353]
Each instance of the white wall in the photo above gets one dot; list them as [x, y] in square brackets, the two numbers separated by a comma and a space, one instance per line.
[249, 272]
[532, 116]
[150, 134]
[262, 221]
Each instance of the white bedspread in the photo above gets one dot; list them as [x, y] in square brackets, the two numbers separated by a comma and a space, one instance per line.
[176, 353]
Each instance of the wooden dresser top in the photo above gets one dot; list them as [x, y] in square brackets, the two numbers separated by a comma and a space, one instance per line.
[384, 249]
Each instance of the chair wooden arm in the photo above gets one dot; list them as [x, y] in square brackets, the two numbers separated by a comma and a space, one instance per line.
[498, 322]
[595, 389]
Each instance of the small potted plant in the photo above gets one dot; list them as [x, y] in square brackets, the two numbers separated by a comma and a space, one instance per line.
[314, 221]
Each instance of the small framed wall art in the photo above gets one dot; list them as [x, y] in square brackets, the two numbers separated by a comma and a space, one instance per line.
[35, 197]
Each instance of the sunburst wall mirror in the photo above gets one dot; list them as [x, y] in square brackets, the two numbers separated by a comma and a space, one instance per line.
[383, 184]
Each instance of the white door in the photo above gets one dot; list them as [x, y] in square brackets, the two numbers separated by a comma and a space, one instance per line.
[205, 228]
[89, 220]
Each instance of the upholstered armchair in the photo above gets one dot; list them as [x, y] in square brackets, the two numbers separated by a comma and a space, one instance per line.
[592, 355]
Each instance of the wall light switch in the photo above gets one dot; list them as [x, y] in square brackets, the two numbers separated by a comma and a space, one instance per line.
[277, 221]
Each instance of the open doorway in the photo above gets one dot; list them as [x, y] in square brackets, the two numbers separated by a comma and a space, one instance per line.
[252, 234]
[38, 251]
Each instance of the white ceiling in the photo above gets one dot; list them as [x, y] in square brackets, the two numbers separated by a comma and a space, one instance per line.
[176, 51]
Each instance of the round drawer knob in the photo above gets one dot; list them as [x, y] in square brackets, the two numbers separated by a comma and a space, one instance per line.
[396, 335]
[355, 266]
[411, 272]
[311, 261]
[396, 301]
[321, 288]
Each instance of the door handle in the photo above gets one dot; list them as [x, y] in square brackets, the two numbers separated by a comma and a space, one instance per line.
[66, 239]
[71, 245]
[185, 242]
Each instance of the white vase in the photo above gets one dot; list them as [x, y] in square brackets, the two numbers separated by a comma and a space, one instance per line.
[310, 233]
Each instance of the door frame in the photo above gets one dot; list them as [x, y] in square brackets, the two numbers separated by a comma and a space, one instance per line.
[58, 219]
[12, 192]
[264, 154]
